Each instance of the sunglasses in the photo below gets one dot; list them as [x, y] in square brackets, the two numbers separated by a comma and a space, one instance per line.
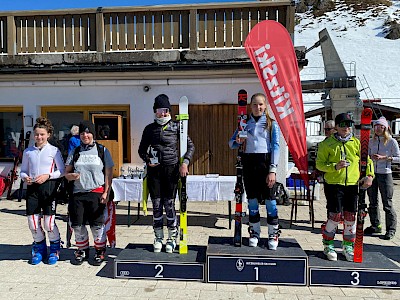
[162, 110]
[345, 124]
[328, 129]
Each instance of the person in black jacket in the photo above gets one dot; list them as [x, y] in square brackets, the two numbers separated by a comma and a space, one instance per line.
[159, 149]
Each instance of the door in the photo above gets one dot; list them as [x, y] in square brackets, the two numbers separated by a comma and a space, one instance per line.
[210, 128]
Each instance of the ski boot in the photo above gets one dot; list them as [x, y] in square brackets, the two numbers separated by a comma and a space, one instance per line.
[158, 239]
[348, 250]
[273, 236]
[39, 251]
[389, 235]
[54, 255]
[254, 230]
[171, 241]
[329, 250]
[372, 230]
[81, 255]
[100, 256]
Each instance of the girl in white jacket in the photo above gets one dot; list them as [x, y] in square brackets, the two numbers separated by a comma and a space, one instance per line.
[41, 165]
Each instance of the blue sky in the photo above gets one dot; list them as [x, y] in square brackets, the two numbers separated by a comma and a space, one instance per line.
[7, 5]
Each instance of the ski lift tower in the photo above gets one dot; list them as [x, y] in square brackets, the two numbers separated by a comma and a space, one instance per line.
[344, 95]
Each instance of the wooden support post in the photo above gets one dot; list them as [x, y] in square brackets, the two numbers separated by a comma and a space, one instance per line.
[11, 36]
[193, 29]
[100, 46]
[290, 16]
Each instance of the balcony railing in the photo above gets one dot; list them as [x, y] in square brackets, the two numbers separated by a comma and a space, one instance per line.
[178, 27]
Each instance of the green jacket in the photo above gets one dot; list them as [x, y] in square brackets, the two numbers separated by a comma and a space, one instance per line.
[331, 151]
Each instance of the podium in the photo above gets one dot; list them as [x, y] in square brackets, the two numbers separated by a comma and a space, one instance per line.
[139, 261]
[109, 133]
[228, 264]
[376, 271]
[221, 262]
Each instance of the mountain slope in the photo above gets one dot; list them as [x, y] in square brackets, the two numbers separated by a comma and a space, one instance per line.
[358, 36]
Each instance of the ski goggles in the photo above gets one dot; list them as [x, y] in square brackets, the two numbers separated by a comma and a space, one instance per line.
[345, 124]
[162, 110]
[328, 129]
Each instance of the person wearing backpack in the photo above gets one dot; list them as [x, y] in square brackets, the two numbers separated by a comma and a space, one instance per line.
[90, 166]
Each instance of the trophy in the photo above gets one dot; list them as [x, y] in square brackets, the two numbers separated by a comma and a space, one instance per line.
[153, 158]
[242, 127]
[122, 173]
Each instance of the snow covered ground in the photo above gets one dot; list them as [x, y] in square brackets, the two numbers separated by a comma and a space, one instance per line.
[358, 38]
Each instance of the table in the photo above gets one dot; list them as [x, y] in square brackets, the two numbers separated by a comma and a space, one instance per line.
[199, 188]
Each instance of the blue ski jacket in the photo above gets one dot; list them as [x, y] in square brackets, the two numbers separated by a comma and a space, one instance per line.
[260, 140]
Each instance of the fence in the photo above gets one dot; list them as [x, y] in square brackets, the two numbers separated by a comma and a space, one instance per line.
[208, 26]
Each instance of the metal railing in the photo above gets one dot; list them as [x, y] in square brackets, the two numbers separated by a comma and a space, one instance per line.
[179, 27]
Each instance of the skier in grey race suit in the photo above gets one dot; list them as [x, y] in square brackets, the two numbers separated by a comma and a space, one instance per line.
[159, 149]
[92, 185]
[260, 161]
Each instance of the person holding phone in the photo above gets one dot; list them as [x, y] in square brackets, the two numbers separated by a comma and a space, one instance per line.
[339, 157]
[384, 150]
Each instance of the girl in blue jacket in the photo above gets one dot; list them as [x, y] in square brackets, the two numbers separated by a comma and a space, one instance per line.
[260, 160]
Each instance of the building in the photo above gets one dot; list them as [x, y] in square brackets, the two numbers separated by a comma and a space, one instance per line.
[71, 65]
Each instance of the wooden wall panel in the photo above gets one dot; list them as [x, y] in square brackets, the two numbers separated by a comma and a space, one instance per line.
[210, 128]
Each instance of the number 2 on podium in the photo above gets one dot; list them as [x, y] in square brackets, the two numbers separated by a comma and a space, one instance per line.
[161, 269]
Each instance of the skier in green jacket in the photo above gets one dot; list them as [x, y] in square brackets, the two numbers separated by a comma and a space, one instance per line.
[338, 157]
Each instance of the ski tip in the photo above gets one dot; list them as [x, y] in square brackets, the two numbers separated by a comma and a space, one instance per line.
[242, 91]
[183, 99]
[367, 112]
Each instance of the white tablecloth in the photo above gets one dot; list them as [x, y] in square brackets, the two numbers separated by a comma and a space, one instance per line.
[199, 188]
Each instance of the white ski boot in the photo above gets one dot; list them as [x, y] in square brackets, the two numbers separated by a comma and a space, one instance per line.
[329, 250]
[158, 239]
[348, 250]
[254, 230]
[171, 240]
[273, 236]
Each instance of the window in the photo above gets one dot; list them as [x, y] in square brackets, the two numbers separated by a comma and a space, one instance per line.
[11, 124]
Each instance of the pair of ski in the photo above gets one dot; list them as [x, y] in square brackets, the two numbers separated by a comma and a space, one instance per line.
[365, 128]
[239, 186]
[12, 176]
[183, 119]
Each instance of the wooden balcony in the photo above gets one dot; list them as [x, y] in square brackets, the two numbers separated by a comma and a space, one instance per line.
[123, 34]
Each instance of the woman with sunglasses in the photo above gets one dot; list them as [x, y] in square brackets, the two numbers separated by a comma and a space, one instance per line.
[159, 149]
[329, 128]
[384, 150]
[339, 156]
